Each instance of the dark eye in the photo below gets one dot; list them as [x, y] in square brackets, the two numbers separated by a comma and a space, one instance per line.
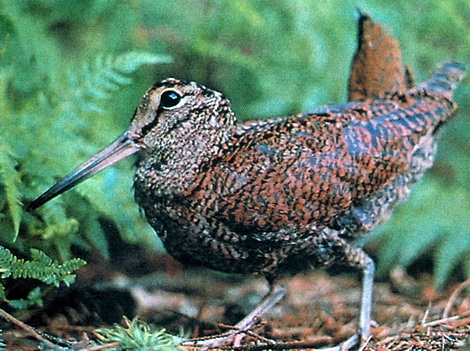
[169, 99]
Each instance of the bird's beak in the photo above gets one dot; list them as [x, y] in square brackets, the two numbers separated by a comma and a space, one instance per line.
[121, 148]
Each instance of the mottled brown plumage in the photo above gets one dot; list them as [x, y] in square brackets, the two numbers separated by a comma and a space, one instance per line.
[299, 185]
[282, 195]
[377, 67]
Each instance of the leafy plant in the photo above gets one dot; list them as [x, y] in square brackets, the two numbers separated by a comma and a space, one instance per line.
[420, 226]
[137, 335]
[46, 129]
[10, 203]
[40, 267]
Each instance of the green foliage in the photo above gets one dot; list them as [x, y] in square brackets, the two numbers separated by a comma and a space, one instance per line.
[99, 79]
[65, 74]
[34, 298]
[10, 195]
[50, 105]
[137, 335]
[40, 267]
[444, 227]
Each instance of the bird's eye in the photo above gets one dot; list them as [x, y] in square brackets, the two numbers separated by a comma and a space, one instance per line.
[169, 99]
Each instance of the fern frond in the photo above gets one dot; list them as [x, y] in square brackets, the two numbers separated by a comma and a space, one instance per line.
[34, 298]
[30, 42]
[40, 267]
[58, 223]
[453, 249]
[9, 181]
[97, 79]
[131, 61]
[433, 220]
[2, 293]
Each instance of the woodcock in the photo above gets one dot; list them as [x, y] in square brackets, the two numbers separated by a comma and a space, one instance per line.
[282, 195]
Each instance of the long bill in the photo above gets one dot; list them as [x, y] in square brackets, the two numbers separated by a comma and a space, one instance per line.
[118, 150]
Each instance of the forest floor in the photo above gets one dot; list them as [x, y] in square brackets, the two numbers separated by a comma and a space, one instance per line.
[321, 309]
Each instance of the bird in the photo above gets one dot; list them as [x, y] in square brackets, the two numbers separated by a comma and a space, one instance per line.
[279, 196]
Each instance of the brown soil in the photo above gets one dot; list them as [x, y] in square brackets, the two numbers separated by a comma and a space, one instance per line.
[320, 310]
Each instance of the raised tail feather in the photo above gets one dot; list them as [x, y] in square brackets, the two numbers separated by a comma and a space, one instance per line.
[377, 68]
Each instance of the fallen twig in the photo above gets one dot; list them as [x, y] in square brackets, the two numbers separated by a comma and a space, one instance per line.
[30, 330]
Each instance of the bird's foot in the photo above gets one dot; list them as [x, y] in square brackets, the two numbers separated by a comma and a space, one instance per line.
[212, 342]
[345, 345]
[233, 339]
[235, 336]
[359, 339]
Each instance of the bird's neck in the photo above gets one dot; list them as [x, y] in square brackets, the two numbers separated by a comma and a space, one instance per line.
[173, 168]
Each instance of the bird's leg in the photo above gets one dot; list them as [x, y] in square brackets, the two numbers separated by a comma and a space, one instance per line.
[368, 270]
[275, 294]
[354, 256]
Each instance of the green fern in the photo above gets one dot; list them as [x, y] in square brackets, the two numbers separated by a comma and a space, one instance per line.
[9, 190]
[432, 221]
[34, 298]
[59, 116]
[96, 80]
[40, 267]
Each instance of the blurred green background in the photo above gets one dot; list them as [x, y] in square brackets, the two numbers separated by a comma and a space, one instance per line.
[72, 72]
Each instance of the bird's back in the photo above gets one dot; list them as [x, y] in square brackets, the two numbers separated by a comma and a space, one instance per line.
[312, 169]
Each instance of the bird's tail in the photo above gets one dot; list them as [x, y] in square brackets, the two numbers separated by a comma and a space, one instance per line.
[444, 80]
[377, 68]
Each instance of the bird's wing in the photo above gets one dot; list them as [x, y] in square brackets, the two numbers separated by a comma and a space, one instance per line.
[309, 169]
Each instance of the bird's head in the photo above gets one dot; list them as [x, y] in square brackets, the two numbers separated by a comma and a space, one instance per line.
[172, 114]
